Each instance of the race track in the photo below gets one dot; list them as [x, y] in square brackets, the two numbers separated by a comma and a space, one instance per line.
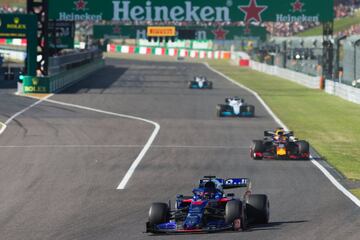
[60, 165]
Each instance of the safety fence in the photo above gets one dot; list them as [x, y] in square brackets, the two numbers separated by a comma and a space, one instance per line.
[303, 79]
[174, 52]
[346, 92]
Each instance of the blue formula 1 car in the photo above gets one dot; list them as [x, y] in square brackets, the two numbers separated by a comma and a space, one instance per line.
[235, 107]
[200, 82]
[209, 209]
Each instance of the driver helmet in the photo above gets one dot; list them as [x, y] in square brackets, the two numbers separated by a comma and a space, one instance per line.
[279, 133]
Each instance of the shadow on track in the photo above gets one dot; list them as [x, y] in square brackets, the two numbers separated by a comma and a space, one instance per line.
[102, 79]
[273, 225]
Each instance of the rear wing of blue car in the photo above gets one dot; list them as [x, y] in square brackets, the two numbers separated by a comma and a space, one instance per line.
[228, 183]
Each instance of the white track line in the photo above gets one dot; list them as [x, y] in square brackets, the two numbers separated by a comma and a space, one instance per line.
[26, 109]
[2, 127]
[273, 115]
[136, 162]
[141, 155]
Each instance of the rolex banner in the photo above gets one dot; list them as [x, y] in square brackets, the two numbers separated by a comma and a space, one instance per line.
[205, 33]
[193, 11]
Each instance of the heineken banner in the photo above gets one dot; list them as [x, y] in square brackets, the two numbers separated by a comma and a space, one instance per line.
[193, 11]
[206, 33]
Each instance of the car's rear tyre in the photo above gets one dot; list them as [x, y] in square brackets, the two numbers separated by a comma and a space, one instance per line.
[258, 209]
[219, 110]
[257, 147]
[233, 212]
[210, 85]
[158, 213]
[304, 148]
[190, 84]
[251, 109]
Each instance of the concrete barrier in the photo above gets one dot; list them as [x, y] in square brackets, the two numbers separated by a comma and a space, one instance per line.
[300, 78]
[346, 92]
[59, 81]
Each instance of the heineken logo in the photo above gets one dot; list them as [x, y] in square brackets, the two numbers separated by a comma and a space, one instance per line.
[220, 33]
[125, 11]
[190, 10]
[297, 6]
[253, 11]
[80, 5]
[117, 30]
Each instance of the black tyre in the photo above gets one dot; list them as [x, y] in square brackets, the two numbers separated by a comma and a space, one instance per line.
[190, 83]
[234, 211]
[258, 209]
[304, 148]
[257, 147]
[158, 213]
[251, 108]
[219, 110]
[210, 85]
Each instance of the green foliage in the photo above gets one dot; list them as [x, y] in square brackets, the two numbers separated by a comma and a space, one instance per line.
[329, 123]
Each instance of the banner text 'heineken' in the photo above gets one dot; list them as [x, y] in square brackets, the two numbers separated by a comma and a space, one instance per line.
[193, 11]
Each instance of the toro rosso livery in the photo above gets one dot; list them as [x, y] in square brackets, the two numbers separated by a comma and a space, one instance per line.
[209, 209]
[235, 107]
[200, 82]
[280, 144]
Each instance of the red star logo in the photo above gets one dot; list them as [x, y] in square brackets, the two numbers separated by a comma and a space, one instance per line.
[297, 6]
[80, 5]
[220, 33]
[117, 29]
[253, 11]
[247, 29]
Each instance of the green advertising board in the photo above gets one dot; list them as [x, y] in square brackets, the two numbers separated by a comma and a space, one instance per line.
[22, 26]
[33, 84]
[205, 33]
[193, 11]
[62, 34]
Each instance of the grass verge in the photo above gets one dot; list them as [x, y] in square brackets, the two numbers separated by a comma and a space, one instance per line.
[339, 26]
[356, 192]
[329, 123]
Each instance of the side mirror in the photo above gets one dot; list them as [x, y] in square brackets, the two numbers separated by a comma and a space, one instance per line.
[179, 196]
[267, 134]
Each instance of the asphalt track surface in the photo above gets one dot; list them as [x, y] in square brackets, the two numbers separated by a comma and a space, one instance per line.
[60, 166]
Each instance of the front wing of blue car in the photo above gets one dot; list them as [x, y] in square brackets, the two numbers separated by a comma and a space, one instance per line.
[172, 228]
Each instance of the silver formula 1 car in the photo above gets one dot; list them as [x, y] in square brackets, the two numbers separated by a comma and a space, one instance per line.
[235, 107]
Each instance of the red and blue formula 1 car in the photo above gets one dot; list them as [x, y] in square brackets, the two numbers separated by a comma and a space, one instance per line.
[209, 209]
[280, 144]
